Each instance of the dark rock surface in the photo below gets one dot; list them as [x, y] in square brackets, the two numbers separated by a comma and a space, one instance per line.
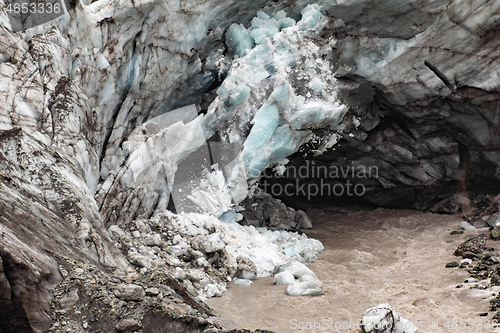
[427, 118]
[46, 211]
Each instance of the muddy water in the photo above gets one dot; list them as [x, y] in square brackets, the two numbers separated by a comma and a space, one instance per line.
[370, 257]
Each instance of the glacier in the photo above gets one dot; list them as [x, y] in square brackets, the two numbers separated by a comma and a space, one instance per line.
[135, 113]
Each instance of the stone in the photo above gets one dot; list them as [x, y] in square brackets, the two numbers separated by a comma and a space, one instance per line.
[469, 255]
[246, 269]
[69, 299]
[456, 232]
[152, 291]
[452, 264]
[494, 220]
[495, 279]
[474, 244]
[116, 232]
[130, 292]
[128, 325]
[139, 260]
[383, 319]
[303, 220]
[495, 233]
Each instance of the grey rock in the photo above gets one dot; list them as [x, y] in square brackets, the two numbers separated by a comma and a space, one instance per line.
[48, 213]
[70, 299]
[303, 220]
[116, 232]
[128, 325]
[152, 291]
[494, 220]
[130, 292]
[467, 226]
[246, 268]
[139, 260]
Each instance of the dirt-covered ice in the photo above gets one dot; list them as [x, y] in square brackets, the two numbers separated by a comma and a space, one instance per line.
[370, 257]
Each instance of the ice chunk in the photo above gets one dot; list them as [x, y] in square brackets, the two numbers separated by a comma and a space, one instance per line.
[263, 27]
[266, 120]
[286, 22]
[262, 15]
[239, 40]
[285, 277]
[311, 16]
[307, 285]
[213, 243]
[297, 269]
[242, 282]
[317, 85]
[279, 15]
[467, 226]
[248, 275]
[239, 94]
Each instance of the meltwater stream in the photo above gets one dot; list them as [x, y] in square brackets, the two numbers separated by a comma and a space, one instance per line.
[370, 257]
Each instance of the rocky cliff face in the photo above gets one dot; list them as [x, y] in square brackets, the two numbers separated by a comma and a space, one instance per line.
[411, 89]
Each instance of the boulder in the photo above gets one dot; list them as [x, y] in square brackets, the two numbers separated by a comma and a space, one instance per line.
[383, 319]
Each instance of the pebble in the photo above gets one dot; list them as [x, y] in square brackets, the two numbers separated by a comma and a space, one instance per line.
[495, 233]
[152, 291]
[64, 273]
[456, 232]
[128, 325]
[452, 264]
[130, 292]
[79, 271]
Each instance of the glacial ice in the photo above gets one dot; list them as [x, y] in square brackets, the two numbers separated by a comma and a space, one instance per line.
[311, 17]
[239, 40]
[268, 86]
[285, 278]
[265, 248]
[265, 87]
